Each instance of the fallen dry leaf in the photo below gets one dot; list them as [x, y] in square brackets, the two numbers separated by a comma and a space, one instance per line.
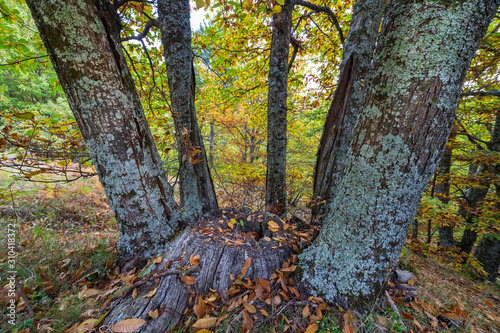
[205, 322]
[151, 293]
[189, 280]
[128, 325]
[312, 328]
[194, 260]
[153, 314]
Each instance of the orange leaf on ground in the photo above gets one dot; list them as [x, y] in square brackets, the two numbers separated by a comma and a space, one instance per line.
[306, 312]
[194, 260]
[348, 329]
[189, 280]
[273, 226]
[312, 328]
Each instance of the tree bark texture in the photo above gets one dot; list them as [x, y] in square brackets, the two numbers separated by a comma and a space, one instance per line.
[347, 101]
[488, 250]
[423, 53]
[196, 185]
[443, 193]
[469, 211]
[219, 259]
[277, 109]
[83, 42]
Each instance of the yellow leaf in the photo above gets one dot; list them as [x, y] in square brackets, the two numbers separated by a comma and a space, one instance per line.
[153, 314]
[205, 322]
[264, 313]
[281, 2]
[151, 293]
[248, 4]
[273, 226]
[276, 9]
[128, 325]
[231, 223]
[200, 4]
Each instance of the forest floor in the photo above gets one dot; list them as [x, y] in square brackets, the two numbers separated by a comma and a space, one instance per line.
[68, 270]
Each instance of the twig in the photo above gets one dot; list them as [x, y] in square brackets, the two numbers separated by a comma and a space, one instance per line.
[394, 308]
[25, 299]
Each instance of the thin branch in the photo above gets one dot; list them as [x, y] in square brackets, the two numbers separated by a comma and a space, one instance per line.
[325, 10]
[296, 46]
[151, 23]
[482, 93]
[22, 60]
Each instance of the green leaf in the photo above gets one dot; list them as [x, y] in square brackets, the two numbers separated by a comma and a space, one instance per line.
[25, 116]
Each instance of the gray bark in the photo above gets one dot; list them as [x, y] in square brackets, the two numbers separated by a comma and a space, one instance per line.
[218, 261]
[423, 53]
[347, 101]
[82, 40]
[488, 250]
[196, 185]
[277, 109]
[443, 193]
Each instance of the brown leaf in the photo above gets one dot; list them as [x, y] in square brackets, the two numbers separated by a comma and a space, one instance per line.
[411, 282]
[205, 322]
[277, 300]
[151, 293]
[201, 308]
[153, 314]
[196, 161]
[259, 292]
[264, 284]
[348, 317]
[157, 260]
[246, 266]
[134, 293]
[194, 260]
[312, 328]
[128, 325]
[406, 316]
[348, 328]
[264, 313]
[189, 280]
[249, 307]
[247, 320]
[289, 269]
[306, 312]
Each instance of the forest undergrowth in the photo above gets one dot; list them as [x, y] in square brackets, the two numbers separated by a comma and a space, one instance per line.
[68, 272]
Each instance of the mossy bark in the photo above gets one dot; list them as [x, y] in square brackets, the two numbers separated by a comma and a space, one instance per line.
[196, 185]
[347, 101]
[82, 40]
[423, 51]
[277, 109]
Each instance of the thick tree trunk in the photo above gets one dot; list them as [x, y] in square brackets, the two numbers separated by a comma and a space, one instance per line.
[423, 53]
[219, 259]
[277, 109]
[83, 43]
[347, 101]
[197, 188]
[443, 193]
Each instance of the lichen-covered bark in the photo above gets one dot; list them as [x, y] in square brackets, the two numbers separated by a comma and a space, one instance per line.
[277, 109]
[196, 185]
[443, 193]
[423, 52]
[348, 99]
[83, 43]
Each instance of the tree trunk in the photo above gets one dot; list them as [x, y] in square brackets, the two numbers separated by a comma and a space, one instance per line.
[488, 250]
[488, 253]
[277, 110]
[347, 101]
[83, 42]
[423, 53]
[469, 211]
[219, 259]
[443, 193]
[197, 189]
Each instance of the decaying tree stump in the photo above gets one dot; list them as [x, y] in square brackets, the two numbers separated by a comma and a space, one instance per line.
[224, 244]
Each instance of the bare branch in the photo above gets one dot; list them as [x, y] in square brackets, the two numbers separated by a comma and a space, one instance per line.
[296, 45]
[22, 60]
[151, 23]
[482, 93]
[325, 10]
